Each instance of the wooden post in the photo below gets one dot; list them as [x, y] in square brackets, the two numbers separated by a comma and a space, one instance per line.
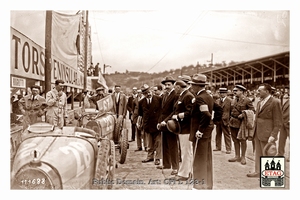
[48, 38]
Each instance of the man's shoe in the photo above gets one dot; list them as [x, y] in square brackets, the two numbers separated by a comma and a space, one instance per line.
[139, 149]
[228, 152]
[253, 175]
[235, 159]
[181, 178]
[157, 162]
[162, 167]
[146, 149]
[217, 150]
[243, 161]
[131, 140]
[148, 160]
[174, 172]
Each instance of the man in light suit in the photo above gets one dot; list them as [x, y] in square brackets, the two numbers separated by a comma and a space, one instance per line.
[268, 121]
[223, 125]
[120, 102]
[182, 113]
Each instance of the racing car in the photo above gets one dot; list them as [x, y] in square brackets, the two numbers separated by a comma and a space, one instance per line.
[74, 157]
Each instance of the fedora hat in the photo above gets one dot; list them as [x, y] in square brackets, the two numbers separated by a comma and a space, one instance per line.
[185, 78]
[198, 79]
[168, 79]
[173, 126]
[270, 149]
[145, 88]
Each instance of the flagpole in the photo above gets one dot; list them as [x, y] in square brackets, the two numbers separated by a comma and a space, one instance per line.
[86, 49]
[48, 38]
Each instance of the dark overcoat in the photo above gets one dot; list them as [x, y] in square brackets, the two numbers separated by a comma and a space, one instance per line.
[150, 113]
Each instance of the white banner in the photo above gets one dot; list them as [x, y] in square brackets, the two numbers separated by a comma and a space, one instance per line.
[64, 33]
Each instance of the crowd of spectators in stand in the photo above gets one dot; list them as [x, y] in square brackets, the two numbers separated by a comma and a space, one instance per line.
[93, 71]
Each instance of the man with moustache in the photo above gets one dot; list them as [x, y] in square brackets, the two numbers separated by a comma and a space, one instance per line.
[182, 114]
[268, 122]
[169, 139]
[149, 110]
[202, 126]
[223, 125]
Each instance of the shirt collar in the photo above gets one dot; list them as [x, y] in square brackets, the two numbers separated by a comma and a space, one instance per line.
[200, 91]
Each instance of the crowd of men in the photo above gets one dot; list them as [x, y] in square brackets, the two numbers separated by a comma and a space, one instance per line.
[173, 121]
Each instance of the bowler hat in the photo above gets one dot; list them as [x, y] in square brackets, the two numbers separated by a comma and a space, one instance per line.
[173, 126]
[145, 88]
[270, 149]
[223, 90]
[241, 87]
[185, 78]
[198, 79]
[168, 79]
[100, 88]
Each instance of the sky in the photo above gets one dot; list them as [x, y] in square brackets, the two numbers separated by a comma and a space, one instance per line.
[150, 40]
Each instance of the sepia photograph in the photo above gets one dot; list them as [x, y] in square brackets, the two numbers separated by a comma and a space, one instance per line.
[152, 98]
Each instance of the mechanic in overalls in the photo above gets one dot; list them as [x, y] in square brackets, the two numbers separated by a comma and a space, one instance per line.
[31, 107]
[56, 100]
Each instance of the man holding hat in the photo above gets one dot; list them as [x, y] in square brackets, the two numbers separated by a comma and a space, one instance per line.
[56, 100]
[31, 107]
[130, 110]
[238, 105]
[149, 110]
[169, 139]
[268, 122]
[182, 114]
[223, 124]
[99, 95]
[202, 126]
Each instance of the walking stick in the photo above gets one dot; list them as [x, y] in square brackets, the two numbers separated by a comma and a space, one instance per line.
[193, 161]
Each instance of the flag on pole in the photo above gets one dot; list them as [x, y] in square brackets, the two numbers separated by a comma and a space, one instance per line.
[102, 81]
[64, 36]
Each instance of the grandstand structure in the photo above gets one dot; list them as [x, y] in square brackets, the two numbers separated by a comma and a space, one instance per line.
[273, 69]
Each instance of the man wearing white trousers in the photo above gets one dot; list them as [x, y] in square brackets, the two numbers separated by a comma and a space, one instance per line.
[181, 113]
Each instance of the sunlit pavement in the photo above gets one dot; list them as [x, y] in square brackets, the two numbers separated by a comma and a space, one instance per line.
[135, 175]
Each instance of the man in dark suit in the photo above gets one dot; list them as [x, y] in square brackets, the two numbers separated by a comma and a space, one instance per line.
[223, 124]
[238, 105]
[202, 126]
[131, 110]
[149, 110]
[182, 113]
[169, 139]
[268, 121]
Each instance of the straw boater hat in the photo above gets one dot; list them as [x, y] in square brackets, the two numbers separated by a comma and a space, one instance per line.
[198, 79]
[223, 90]
[35, 87]
[241, 87]
[168, 79]
[100, 88]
